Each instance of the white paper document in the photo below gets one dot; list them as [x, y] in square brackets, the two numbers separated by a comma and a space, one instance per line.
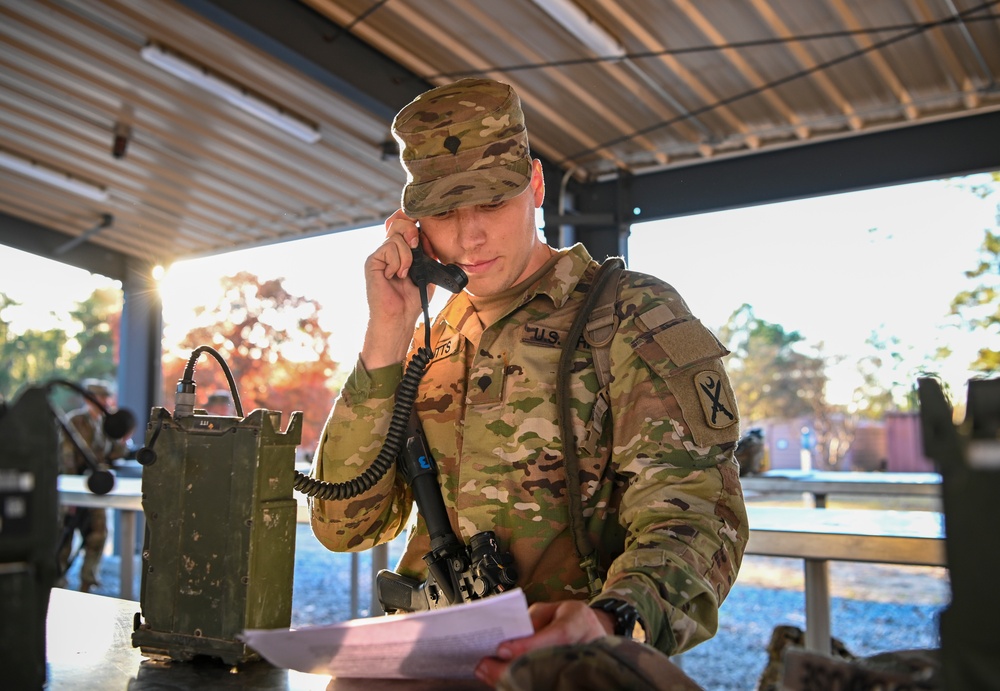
[438, 644]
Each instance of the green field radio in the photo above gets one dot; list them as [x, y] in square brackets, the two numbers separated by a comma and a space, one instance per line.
[219, 549]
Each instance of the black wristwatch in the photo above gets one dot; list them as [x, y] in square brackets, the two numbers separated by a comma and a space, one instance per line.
[625, 615]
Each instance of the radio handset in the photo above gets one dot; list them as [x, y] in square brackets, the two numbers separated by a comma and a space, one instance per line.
[425, 270]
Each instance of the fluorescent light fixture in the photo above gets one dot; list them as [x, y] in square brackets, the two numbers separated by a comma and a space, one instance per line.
[57, 178]
[568, 15]
[242, 98]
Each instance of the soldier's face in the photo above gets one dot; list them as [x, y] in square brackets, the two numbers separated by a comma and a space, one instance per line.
[105, 401]
[497, 245]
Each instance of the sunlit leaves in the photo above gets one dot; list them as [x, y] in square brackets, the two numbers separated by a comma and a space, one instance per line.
[274, 345]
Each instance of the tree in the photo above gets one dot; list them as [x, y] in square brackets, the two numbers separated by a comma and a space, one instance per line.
[95, 349]
[29, 357]
[274, 346]
[889, 374]
[773, 380]
[978, 308]
[91, 350]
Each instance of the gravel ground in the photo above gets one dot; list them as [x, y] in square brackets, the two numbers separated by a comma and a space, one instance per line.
[875, 607]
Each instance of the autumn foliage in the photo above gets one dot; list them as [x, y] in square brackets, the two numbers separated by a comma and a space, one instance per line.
[274, 346]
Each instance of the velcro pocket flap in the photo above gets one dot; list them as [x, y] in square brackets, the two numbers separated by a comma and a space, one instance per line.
[689, 342]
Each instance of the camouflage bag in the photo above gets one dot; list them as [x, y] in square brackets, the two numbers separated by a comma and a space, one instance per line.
[611, 662]
[898, 670]
[792, 668]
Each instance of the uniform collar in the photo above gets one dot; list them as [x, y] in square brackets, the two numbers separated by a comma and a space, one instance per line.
[560, 282]
[558, 285]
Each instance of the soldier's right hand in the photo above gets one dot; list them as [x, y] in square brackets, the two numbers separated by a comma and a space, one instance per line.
[393, 300]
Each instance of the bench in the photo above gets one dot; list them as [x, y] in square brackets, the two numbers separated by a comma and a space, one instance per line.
[818, 536]
[820, 483]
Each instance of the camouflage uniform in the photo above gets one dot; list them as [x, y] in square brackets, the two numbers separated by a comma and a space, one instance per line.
[661, 494]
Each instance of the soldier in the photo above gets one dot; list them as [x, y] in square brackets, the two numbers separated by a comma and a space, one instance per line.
[661, 498]
[92, 524]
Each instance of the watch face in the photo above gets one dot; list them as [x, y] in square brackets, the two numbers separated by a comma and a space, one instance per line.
[627, 616]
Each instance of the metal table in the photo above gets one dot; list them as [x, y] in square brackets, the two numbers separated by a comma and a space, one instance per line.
[819, 536]
[89, 648]
[126, 497]
[815, 535]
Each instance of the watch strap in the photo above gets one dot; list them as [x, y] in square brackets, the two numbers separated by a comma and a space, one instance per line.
[625, 615]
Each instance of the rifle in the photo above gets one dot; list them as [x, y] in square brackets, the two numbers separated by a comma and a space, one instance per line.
[456, 572]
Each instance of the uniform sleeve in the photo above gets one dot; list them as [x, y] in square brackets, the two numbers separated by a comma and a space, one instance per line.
[675, 429]
[351, 440]
[67, 455]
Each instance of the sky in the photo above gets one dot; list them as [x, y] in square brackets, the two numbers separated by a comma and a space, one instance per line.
[833, 269]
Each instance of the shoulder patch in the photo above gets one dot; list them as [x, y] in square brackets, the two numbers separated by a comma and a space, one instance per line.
[720, 412]
[688, 358]
[707, 403]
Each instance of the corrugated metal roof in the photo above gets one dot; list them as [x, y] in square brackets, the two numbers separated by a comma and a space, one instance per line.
[698, 81]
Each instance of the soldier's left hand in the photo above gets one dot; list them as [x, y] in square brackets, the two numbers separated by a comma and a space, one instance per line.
[555, 623]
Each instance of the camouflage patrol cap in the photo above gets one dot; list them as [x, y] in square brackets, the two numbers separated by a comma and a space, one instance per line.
[460, 144]
[220, 396]
[98, 387]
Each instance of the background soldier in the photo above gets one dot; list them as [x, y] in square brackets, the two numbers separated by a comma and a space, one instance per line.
[92, 524]
[220, 403]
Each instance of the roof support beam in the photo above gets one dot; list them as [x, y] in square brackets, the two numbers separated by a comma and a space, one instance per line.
[932, 151]
[45, 242]
[140, 371]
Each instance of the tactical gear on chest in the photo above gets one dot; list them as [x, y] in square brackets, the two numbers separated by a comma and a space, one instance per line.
[596, 322]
